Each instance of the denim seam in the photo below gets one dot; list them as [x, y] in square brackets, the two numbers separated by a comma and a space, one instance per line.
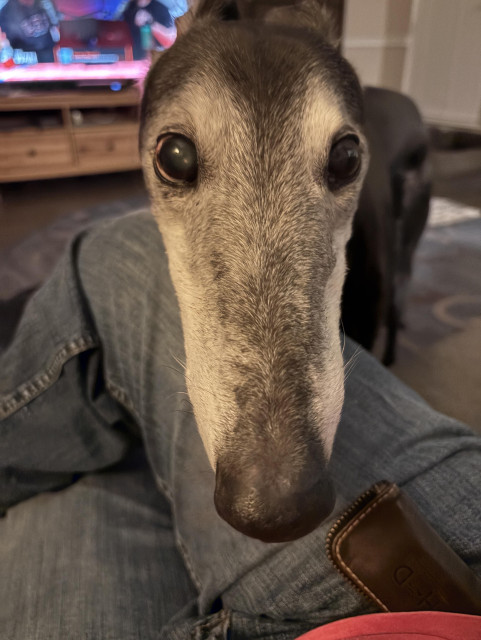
[163, 487]
[220, 621]
[28, 391]
[186, 557]
[121, 397]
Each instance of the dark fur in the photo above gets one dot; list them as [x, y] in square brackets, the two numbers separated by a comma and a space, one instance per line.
[389, 222]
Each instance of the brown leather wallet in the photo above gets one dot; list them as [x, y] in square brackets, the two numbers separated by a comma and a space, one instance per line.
[384, 546]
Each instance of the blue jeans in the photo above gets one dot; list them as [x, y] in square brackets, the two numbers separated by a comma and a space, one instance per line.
[123, 541]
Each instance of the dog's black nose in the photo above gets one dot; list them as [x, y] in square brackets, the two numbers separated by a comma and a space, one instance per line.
[274, 503]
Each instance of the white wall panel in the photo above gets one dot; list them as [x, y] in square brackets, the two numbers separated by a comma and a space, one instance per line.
[444, 75]
[376, 38]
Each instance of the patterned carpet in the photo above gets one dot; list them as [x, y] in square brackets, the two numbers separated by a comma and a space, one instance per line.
[439, 351]
[446, 285]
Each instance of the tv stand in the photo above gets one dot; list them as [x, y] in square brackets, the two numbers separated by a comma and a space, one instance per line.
[54, 134]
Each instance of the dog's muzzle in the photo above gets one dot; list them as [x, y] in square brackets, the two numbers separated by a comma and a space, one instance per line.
[274, 502]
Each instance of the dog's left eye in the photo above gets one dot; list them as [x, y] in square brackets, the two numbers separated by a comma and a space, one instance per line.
[344, 162]
[176, 159]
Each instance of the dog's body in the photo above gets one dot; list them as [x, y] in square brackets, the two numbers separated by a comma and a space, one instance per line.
[254, 155]
[392, 212]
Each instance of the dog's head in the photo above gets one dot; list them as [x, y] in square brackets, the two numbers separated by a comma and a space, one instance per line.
[253, 153]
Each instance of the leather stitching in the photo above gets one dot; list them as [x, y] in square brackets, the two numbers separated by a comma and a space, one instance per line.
[347, 531]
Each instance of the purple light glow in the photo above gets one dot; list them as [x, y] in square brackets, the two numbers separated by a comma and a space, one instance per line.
[131, 70]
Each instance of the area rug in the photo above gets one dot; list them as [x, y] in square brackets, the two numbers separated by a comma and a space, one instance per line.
[439, 350]
[28, 263]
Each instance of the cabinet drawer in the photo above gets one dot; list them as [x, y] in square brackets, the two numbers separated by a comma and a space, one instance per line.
[38, 153]
[115, 149]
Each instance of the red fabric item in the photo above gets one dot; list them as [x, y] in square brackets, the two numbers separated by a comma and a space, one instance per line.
[76, 9]
[418, 625]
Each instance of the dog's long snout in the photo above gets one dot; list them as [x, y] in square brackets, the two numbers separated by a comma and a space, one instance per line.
[273, 502]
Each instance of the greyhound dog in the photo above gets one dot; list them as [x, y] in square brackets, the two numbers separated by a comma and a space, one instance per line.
[254, 155]
[391, 216]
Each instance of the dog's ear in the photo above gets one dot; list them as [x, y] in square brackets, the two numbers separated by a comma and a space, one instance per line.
[324, 17]
[217, 9]
[321, 16]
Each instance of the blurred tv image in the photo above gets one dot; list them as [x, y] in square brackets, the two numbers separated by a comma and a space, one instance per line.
[65, 39]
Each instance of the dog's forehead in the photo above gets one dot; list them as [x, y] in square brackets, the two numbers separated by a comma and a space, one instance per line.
[252, 66]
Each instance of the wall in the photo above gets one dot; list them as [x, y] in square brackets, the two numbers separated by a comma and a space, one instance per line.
[429, 49]
[445, 74]
[376, 39]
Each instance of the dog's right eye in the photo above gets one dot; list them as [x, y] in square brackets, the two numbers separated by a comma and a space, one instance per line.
[175, 159]
[344, 162]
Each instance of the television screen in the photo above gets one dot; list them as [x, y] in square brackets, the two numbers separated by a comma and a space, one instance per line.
[65, 40]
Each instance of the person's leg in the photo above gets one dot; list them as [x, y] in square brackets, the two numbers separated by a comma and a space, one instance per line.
[97, 560]
[95, 350]
[387, 432]
[269, 591]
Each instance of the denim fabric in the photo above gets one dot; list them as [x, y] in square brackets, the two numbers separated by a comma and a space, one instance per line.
[92, 368]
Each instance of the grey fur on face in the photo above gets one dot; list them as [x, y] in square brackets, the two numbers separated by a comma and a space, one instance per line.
[256, 252]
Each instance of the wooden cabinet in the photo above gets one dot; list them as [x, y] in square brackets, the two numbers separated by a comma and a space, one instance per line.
[113, 148]
[55, 134]
[33, 153]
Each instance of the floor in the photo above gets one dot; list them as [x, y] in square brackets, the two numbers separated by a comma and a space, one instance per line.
[440, 347]
[444, 368]
[29, 206]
